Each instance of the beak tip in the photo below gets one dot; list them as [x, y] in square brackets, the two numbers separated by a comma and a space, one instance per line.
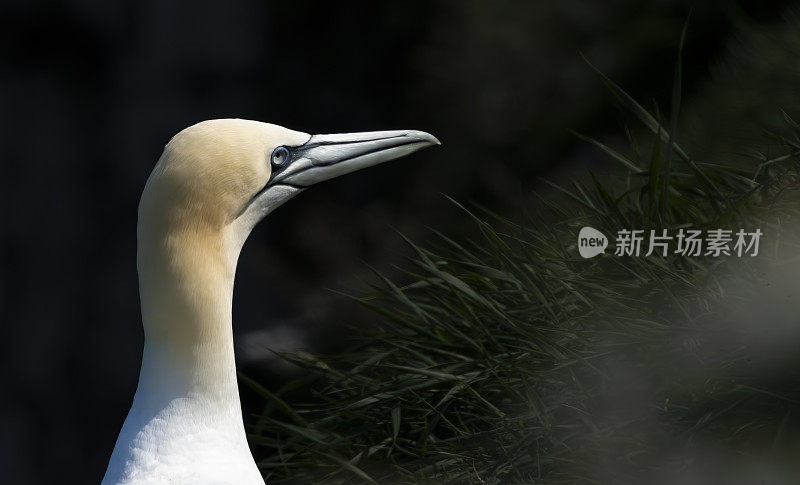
[425, 137]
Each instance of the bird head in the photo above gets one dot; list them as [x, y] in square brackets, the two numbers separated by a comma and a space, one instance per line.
[234, 172]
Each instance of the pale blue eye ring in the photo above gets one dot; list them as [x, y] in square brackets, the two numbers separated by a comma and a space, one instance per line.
[279, 156]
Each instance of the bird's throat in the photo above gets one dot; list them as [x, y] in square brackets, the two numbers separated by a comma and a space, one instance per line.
[186, 289]
[187, 401]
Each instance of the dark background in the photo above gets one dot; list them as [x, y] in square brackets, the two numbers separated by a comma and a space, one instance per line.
[91, 91]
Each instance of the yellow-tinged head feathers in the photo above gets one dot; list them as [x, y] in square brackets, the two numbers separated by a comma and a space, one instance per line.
[210, 171]
[219, 172]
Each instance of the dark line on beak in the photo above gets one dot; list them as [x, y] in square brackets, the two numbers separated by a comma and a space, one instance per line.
[299, 155]
[368, 152]
[345, 142]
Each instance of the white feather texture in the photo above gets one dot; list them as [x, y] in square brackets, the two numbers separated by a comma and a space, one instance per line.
[209, 188]
[185, 424]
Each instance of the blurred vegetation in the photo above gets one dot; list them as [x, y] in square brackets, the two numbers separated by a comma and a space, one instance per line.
[735, 112]
[507, 358]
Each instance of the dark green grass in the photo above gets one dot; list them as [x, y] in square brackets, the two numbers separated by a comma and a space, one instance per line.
[507, 358]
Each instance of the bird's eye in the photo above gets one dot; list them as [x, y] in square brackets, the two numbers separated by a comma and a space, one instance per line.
[280, 156]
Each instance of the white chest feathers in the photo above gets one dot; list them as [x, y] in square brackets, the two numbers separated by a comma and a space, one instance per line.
[187, 442]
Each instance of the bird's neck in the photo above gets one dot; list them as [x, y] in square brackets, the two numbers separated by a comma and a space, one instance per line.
[186, 288]
[186, 410]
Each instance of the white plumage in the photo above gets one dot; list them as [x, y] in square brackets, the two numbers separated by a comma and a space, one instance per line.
[213, 183]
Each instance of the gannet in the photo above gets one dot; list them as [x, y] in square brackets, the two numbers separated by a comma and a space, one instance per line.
[214, 181]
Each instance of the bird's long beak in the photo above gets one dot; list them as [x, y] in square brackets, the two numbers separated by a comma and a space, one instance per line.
[324, 157]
